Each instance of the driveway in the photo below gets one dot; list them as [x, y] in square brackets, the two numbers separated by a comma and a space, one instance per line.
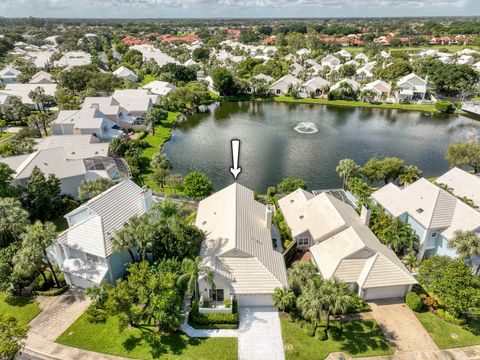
[259, 334]
[58, 313]
[401, 327]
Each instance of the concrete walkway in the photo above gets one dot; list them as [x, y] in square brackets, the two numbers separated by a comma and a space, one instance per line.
[260, 334]
[205, 333]
[401, 327]
[58, 313]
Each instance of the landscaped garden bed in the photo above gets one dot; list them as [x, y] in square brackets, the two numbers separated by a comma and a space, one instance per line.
[198, 320]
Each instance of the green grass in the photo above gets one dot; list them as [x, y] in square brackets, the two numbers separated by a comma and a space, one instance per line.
[23, 309]
[426, 108]
[5, 135]
[359, 338]
[155, 142]
[447, 335]
[105, 338]
[147, 79]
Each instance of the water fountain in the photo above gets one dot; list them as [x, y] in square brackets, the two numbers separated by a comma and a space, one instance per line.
[306, 127]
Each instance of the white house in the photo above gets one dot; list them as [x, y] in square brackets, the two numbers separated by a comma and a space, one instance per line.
[22, 91]
[160, 88]
[239, 248]
[411, 87]
[75, 146]
[70, 171]
[88, 121]
[296, 68]
[462, 184]
[343, 246]
[433, 213]
[283, 85]
[316, 86]
[150, 52]
[73, 58]
[125, 73]
[331, 61]
[466, 60]
[84, 251]
[345, 54]
[42, 77]
[303, 51]
[352, 83]
[267, 78]
[361, 57]
[9, 75]
[381, 89]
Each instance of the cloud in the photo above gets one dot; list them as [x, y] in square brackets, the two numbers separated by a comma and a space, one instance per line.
[207, 8]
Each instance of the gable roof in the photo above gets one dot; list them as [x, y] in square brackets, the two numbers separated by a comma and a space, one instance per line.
[42, 77]
[463, 183]
[236, 226]
[103, 216]
[74, 146]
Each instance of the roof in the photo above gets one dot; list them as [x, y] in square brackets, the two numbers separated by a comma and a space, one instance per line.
[10, 71]
[159, 87]
[42, 77]
[50, 161]
[431, 206]
[239, 236]
[288, 79]
[88, 118]
[101, 217]
[123, 71]
[345, 247]
[75, 146]
[463, 184]
[23, 90]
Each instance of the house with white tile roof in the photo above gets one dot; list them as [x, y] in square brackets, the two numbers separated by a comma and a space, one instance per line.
[239, 248]
[433, 213]
[343, 246]
[151, 52]
[462, 184]
[411, 87]
[73, 58]
[22, 91]
[331, 61]
[125, 73]
[381, 89]
[74, 146]
[316, 86]
[283, 85]
[160, 88]
[42, 77]
[84, 251]
[9, 75]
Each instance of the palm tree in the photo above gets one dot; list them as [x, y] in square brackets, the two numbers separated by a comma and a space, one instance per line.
[466, 244]
[360, 189]
[283, 299]
[13, 220]
[347, 168]
[336, 299]
[411, 174]
[90, 189]
[124, 239]
[310, 303]
[410, 260]
[299, 274]
[210, 275]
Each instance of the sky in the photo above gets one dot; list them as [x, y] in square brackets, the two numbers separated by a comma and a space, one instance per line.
[236, 8]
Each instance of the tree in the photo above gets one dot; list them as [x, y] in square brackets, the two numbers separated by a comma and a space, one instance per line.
[42, 196]
[310, 303]
[6, 178]
[12, 335]
[411, 260]
[89, 189]
[411, 174]
[201, 54]
[387, 169]
[466, 244]
[299, 274]
[336, 298]
[125, 239]
[464, 154]
[174, 181]
[159, 177]
[104, 82]
[196, 185]
[346, 169]
[451, 282]
[289, 185]
[161, 161]
[223, 81]
[118, 146]
[155, 116]
[33, 256]
[283, 299]
[13, 221]
[360, 189]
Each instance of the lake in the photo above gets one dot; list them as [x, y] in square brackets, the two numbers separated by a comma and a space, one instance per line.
[274, 146]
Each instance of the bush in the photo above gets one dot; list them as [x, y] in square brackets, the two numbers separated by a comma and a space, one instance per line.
[308, 329]
[207, 320]
[444, 107]
[271, 191]
[359, 305]
[54, 292]
[414, 302]
[442, 314]
[429, 301]
[227, 303]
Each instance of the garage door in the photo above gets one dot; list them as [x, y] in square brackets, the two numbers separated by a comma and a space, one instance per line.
[79, 282]
[254, 300]
[386, 292]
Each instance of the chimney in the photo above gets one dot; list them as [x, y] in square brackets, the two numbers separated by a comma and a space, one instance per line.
[146, 198]
[268, 216]
[365, 214]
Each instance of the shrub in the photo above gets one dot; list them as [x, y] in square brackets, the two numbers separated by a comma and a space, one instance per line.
[414, 302]
[308, 329]
[429, 301]
[54, 292]
[359, 305]
[442, 314]
[271, 191]
[227, 303]
[444, 107]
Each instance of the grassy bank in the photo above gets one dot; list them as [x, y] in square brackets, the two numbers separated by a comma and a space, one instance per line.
[447, 335]
[425, 108]
[23, 309]
[155, 142]
[135, 344]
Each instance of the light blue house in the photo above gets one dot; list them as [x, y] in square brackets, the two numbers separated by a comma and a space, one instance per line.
[433, 213]
[84, 251]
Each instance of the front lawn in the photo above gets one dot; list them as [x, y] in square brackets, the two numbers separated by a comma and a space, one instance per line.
[447, 335]
[23, 309]
[106, 338]
[359, 338]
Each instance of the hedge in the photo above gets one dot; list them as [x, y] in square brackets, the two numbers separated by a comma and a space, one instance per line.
[450, 318]
[414, 301]
[214, 320]
[54, 292]
[445, 107]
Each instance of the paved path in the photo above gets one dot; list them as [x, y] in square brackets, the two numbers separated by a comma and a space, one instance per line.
[205, 333]
[260, 334]
[401, 327]
[58, 313]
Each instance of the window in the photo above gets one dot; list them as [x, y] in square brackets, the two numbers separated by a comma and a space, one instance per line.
[419, 210]
[434, 234]
[93, 258]
[303, 241]
[217, 294]
[279, 91]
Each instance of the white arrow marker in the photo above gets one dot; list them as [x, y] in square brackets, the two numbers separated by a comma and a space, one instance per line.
[235, 170]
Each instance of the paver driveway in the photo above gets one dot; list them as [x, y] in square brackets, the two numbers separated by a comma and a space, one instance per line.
[58, 313]
[259, 334]
[401, 327]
